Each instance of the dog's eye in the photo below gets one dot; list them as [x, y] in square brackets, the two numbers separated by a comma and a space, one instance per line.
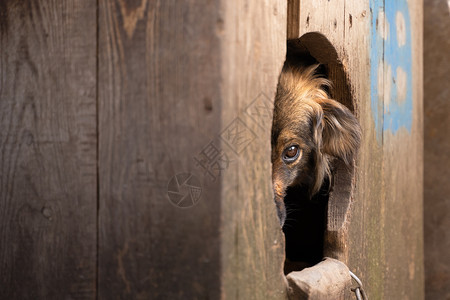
[291, 153]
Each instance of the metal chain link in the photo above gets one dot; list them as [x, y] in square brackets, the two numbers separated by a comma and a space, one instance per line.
[358, 290]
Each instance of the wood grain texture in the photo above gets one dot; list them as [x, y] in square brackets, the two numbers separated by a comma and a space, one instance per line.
[365, 236]
[293, 19]
[253, 52]
[160, 105]
[47, 149]
[172, 84]
[437, 149]
[403, 171]
[169, 85]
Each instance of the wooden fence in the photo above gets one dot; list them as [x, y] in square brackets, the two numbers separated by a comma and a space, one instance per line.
[111, 111]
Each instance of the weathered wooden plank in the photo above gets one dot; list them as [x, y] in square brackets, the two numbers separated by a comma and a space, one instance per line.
[293, 19]
[436, 148]
[48, 149]
[365, 236]
[253, 52]
[160, 107]
[179, 85]
[403, 149]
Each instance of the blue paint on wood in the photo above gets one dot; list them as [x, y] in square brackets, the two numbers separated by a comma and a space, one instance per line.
[387, 53]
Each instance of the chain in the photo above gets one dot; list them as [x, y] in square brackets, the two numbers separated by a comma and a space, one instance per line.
[358, 290]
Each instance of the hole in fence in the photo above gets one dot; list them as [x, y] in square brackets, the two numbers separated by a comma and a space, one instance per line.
[313, 224]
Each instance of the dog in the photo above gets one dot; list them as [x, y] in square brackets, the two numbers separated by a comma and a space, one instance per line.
[309, 131]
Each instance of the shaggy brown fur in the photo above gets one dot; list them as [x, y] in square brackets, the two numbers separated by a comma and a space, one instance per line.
[320, 128]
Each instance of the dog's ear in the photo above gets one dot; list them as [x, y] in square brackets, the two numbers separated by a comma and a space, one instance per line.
[341, 133]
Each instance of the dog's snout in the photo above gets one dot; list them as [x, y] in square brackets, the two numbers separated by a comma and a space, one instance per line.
[281, 209]
[279, 191]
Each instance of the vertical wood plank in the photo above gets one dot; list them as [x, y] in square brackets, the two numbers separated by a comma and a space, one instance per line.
[403, 149]
[293, 19]
[437, 148]
[366, 240]
[160, 108]
[48, 149]
[254, 49]
[179, 83]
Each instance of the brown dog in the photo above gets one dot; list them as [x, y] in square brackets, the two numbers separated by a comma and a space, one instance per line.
[309, 130]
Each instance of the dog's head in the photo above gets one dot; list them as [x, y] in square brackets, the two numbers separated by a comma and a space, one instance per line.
[308, 131]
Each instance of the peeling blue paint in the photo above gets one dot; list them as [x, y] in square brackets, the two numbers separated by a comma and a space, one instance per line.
[397, 112]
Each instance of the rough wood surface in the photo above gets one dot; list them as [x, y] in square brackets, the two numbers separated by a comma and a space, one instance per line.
[160, 106]
[293, 19]
[401, 209]
[253, 52]
[176, 80]
[47, 149]
[437, 148]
